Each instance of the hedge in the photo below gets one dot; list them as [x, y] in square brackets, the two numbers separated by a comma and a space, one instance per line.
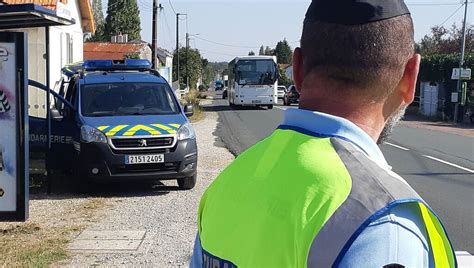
[439, 67]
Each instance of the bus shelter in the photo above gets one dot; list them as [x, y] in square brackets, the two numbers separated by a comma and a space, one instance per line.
[14, 192]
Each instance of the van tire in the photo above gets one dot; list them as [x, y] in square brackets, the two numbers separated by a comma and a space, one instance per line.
[187, 183]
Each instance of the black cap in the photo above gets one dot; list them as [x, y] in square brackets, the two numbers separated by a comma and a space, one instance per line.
[354, 12]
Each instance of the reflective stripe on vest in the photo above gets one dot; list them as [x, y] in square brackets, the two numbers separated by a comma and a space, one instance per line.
[295, 200]
[374, 192]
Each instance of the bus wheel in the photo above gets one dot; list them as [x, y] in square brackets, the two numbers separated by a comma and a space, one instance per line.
[270, 106]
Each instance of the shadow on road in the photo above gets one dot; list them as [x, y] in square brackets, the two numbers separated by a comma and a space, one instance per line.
[217, 108]
[225, 108]
[64, 190]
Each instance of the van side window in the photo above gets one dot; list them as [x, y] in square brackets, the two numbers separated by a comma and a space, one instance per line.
[64, 87]
[70, 92]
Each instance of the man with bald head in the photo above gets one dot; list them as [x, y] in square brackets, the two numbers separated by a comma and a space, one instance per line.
[318, 192]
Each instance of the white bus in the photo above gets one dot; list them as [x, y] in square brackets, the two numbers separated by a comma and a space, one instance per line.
[253, 80]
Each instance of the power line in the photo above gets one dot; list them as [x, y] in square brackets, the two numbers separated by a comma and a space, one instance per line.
[168, 28]
[434, 4]
[172, 8]
[226, 45]
[216, 53]
[452, 15]
[144, 5]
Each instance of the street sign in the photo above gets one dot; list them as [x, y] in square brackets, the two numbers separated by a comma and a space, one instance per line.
[14, 173]
[454, 97]
[465, 74]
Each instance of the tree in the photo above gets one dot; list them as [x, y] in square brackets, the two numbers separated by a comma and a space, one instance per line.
[195, 66]
[209, 74]
[97, 12]
[446, 41]
[251, 53]
[269, 51]
[99, 22]
[261, 52]
[283, 79]
[283, 52]
[123, 17]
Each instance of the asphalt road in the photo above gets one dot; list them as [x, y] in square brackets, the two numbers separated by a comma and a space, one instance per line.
[439, 166]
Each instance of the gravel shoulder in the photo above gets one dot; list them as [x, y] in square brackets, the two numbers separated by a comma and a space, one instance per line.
[168, 216]
[52, 223]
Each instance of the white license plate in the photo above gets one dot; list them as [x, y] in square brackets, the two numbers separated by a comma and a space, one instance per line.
[144, 159]
[256, 102]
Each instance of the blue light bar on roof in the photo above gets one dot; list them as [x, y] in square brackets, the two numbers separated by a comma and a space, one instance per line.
[106, 65]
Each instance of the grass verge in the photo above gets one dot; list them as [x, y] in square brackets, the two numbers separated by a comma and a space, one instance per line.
[198, 114]
[34, 245]
[194, 97]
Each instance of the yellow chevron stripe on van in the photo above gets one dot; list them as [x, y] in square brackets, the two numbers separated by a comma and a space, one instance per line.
[175, 125]
[137, 128]
[114, 130]
[168, 129]
[102, 128]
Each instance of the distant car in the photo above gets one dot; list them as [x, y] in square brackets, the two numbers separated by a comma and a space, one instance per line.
[291, 96]
[281, 92]
[219, 85]
[224, 94]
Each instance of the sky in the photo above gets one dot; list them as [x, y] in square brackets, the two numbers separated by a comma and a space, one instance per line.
[224, 29]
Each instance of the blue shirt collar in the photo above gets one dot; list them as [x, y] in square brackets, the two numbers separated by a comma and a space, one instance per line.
[322, 124]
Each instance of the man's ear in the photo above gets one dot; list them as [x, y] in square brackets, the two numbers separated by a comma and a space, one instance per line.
[298, 74]
[407, 85]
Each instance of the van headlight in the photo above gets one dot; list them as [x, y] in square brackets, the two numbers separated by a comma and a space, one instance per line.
[186, 132]
[90, 134]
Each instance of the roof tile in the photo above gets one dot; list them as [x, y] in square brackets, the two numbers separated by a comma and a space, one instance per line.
[110, 51]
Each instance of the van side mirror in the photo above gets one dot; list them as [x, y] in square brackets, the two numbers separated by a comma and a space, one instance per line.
[188, 110]
[55, 115]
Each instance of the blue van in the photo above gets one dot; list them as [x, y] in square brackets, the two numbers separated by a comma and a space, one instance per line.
[118, 120]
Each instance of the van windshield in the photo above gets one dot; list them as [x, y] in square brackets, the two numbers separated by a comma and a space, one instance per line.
[120, 99]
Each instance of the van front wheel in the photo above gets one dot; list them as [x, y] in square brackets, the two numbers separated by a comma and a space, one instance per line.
[187, 183]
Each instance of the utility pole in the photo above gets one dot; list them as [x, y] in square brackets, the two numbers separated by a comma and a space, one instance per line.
[187, 60]
[177, 47]
[154, 45]
[461, 63]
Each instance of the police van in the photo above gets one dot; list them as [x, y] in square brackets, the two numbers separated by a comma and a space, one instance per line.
[118, 120]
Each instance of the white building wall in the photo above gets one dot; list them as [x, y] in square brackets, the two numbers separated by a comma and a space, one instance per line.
[63, 39]
[58, 54]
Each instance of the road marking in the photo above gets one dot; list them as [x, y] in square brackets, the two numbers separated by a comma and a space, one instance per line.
[397, 146]
[449, 164]
[286, 108]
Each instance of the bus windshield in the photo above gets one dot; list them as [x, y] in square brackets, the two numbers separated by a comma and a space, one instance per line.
[255, 72]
